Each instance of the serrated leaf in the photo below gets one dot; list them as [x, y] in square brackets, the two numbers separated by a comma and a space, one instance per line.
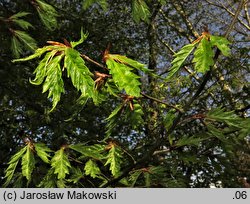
[222, 44]
[83, 38]
[113, 119]
[190, 141]
[49, 180]
[19, 14]
[93, 151]
[92, 169]
[79, 73]
[23, 24]
[28, 162]
[123, 77]
[203, 56]
[47, 14]
[60, 164]
[135, 116]
[37, 53]
[228, 117]
[179, 59]
[42, 151]
[9, 172]
[134, 177]
[26, 39]
[114, 159]
[16, 47]
[53, 81]
[140, 11]
[87, 3]
[76, 175]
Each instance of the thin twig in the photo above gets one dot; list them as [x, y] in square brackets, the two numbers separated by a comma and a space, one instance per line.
[162, 102]
[93, 61]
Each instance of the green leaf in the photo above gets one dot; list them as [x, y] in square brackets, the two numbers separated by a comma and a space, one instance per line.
[47, 14]
[42, 151]
[179, 59]
[113, 119]
[23, 24]
[134, 177]
[83, 38]
[19, 14]
[28, 162]
[203, 56]
[16, 47]
[87, 3]
[222, 44]
[140, 11]
[37, 53]
[26, 39]
[93, 151]
[76, 175]
[92, 169]
[190, 141]
[9, 172]
[114, 159]
[135, 116]
[53, 81]
[79, 73]
[49, 180]
[60, 164]
[228, 117]
[123, 77]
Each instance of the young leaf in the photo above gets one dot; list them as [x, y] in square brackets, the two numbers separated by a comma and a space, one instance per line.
[19, 15]
[60, 164]
[203, 56]
[134, 177]
[228, 117]
[26, 39]
[92, 169]
[87, 3]
[37, 53]
[49, 180]
[53, 81]
[123, 77]
[222, 44]
[179, 59]
[9, 172]
[16, 47]
[47, 14]
[76, 175]
[79, 73]
[195, 141]
[140, 11]
[112, 119]
[135, 116]
[22, 23]
[42, 151]
[114, 159]
[28, 162]
[83, 38]
[93, 151]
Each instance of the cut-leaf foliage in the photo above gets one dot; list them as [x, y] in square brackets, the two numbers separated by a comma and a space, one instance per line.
[47, 14]
[60, 164]
[140, 11]
[42, 151]
[76, 175]
[121, 70]
[9, 172]
[92, 169]
[179, 59]
[20, 41]
[93, 151]
[87, 3]
[203, 56]
[49, 70]
[49, 180]
[20, 22]
[114, 159]
[79, 73]
[222, 44]
[190, 141]
[28, 162]
[82, 39]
